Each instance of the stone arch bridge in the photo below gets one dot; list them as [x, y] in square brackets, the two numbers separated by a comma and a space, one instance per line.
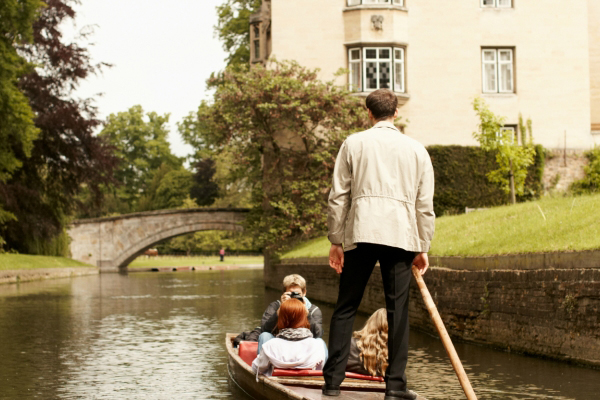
[112, 243]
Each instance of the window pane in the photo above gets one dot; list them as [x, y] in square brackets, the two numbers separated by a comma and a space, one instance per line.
[371, 75]
[399, 2]
[371, 54]
[505, 55]
[257, 49]
[504, 3]
[509, 132]
[399, 77]
[355, 54]
[353, 2]
[355, 76]
[384, 54]
[489, 78]
[506, 78]
[398, 55]
[487, 3]
[385, 75]
[489, 55]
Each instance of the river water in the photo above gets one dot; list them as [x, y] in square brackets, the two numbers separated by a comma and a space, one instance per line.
[161, 336]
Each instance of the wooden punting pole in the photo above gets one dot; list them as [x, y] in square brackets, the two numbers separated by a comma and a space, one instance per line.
[439, 325]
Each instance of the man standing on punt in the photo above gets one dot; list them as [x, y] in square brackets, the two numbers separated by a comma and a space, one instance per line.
[380, 209]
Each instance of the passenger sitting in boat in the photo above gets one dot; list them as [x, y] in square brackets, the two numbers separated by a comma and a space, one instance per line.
[294, 347]
[294, 286]
[369, 347]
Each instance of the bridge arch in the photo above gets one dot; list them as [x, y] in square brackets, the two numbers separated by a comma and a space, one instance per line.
[112, 243]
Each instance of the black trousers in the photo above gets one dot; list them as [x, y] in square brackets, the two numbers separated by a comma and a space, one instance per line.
[396, 274]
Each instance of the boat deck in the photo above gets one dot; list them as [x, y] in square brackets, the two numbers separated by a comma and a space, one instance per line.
[296, 387]
[315, 394]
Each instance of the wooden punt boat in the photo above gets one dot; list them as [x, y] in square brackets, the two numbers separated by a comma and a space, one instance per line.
[294, 387]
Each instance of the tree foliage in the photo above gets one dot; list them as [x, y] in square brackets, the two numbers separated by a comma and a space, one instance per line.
[512, 158]
[591, 181]
[140, 140]
[283, 128]
[66, 155]
[17, 129]
[204, 190]
[233, 29]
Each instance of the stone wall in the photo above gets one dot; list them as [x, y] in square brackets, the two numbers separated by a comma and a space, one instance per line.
[546, 312]
[560, 171]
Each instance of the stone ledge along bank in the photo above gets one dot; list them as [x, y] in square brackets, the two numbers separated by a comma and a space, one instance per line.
[545, 305]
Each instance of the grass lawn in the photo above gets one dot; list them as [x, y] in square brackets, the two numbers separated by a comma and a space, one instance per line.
[192, 261]
[548, 225]
[22, 261]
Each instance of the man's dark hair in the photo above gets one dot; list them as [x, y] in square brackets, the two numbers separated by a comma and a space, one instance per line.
[382, 103]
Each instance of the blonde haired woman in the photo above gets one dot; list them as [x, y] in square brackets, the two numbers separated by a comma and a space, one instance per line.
[369, 347]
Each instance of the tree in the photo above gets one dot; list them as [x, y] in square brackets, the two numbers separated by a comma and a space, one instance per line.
[17, 129]
[66, 156]
[591, 181]
[174, 189]
[512, 158]
[283, 128]
[205, 190]
[140, 140]
[233, 28]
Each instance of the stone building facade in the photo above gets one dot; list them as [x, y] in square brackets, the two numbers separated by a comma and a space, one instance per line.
[539, 58]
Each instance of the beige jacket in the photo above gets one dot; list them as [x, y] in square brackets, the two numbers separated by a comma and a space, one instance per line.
[382, 191]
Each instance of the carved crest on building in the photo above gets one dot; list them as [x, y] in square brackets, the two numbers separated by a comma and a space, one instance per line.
[377, 21]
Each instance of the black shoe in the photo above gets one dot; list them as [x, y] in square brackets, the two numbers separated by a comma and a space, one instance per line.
[397, 394]
[331, 390]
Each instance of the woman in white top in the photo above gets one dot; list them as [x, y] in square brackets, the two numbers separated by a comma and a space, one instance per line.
[294, 347]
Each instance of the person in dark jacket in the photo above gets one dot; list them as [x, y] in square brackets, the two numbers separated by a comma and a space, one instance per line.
[368, 347]
[294, 287]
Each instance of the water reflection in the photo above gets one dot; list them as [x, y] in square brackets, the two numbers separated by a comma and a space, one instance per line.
[160, 336]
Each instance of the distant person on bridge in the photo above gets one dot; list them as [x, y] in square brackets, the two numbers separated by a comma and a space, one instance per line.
[222, 254]
[380, 209]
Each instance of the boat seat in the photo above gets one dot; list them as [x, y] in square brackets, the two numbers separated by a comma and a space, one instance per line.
[311, 372]
[247, 351]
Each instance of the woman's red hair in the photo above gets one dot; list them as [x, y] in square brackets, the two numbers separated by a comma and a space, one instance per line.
[292, 314]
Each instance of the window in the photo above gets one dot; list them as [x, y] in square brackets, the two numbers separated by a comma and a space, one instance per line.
[498, 71]
[373, 68]
[358, 2]
[256, 42]
[510, 131]
[496, 3]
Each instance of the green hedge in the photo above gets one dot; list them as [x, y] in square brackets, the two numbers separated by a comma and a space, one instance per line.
[461, 179]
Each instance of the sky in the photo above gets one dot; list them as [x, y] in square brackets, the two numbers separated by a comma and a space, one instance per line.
[162, 53]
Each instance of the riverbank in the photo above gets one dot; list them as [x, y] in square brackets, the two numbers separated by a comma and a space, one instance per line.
[198, 268]
[16, 268]
[195, 261]
[549, 225]
[26, 262]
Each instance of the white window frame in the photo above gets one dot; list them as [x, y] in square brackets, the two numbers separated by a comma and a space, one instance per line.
[394, 63]
[353, 85]
[399, 64]
[377, 62]
[351, 3]
[496, 4]
[497, 64]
